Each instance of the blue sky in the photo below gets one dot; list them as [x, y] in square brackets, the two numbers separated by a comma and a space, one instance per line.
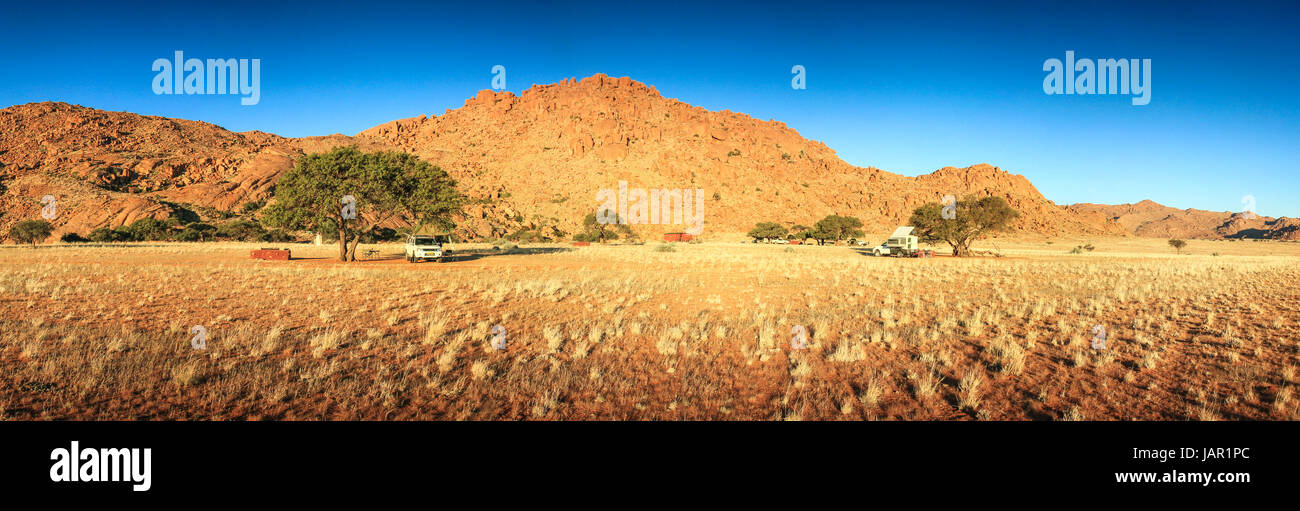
[908, 89]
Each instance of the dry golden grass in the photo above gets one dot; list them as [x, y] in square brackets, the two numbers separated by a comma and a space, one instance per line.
[628, 332]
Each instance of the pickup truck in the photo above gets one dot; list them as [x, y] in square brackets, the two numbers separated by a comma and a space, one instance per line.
[421, 247]
[900, 243]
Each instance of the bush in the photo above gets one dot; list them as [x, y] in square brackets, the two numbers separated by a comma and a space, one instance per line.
[73, 237]
[665, 248]
[252, 207]
[196, 232]
[526, 236]
[241, 230]
[101, 235]
[148, 229]
[597, 232]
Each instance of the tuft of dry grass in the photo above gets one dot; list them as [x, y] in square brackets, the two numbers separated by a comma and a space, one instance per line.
[870, 394]
[970, 389]
[1010, 356]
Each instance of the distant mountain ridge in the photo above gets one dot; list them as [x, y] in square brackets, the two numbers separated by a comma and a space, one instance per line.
[534, 161]
[1151, 219]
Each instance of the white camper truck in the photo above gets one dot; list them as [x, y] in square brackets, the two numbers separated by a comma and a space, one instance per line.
[900, 243]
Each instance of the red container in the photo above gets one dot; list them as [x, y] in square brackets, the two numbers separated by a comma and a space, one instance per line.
[677, 236]
[272, 254]
[582, 243]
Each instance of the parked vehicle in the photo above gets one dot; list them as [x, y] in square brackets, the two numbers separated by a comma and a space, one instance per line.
[421, 247]
[900, 243]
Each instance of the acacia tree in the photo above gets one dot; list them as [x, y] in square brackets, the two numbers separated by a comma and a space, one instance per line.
[31, 231]
[595, 230]
[836, 228]
[766, 231]
[974, 218]
[1177, 244]
[799, 232]
[384, 186]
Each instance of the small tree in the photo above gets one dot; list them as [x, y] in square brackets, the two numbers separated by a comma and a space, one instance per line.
[1177, 244]
[31, 231]
[836, 228]
[974, 219]
[594, 230]
[817, 234]
[766, 231]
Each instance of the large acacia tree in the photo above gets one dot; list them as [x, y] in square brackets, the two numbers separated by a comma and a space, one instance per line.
[973, 219]
[386, 186]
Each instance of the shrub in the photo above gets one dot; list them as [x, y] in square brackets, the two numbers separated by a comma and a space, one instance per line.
[148, 229]
[252, 207]
[196, 232]
[665, 248]
[73, 237]
[596, 231]
[101, 235]
[241, 230]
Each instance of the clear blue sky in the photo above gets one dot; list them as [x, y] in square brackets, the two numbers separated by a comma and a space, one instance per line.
[907, 89]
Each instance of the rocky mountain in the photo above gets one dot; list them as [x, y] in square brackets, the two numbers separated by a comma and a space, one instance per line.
[533, 161]
[1151, 219]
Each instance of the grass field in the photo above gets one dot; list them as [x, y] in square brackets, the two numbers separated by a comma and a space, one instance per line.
[704, 331]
